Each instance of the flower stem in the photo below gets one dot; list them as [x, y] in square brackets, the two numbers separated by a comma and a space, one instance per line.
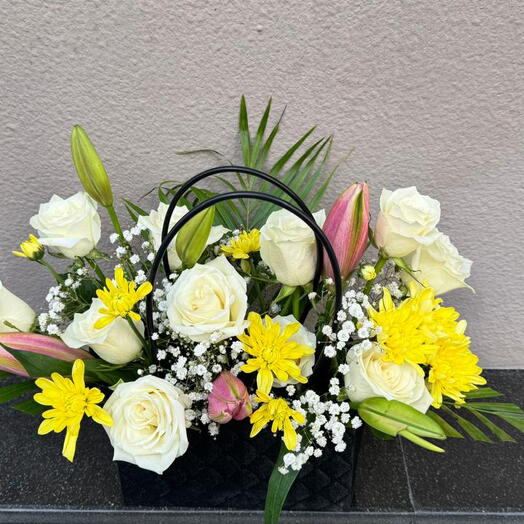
[52, 270]
[96, 269]
[116, 223]
[378, 268]
[140, 336]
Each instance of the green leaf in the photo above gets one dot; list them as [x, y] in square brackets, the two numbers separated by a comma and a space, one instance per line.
[285, 291]
[282, 161]
[473, 431]
[16, 390]
[245, 139]
[278, 489]
[268, 143]
[448, 429]
[260, 135]
[498, 432]
[137, 209]
[203, 151]
[5, 374]
[495, 407]
[483, 393]
[30, 407]
[517, 421]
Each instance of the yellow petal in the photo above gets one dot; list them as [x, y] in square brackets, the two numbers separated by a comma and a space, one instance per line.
[265, 380]
[103, 322]
[68, 451]
[134, 316]
[46, 426]
[78, 374]
[290, 435]
[99, 415]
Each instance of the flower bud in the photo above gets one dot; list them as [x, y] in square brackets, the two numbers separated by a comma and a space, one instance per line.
[346, 227]
[33, 343]
[192, 238]
[229, 399]
[31, 249]
[368, 272]
[89, 168]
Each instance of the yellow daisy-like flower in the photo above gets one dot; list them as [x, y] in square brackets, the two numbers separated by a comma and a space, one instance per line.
[276, 410]
[245, 243]
[453, 370]
[70, 401]
[120, 299]
[31, 249]
[401, 333]
[275, 354]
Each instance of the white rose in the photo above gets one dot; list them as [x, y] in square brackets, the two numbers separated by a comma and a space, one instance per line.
[154, 222]
[304, 337]
[288, 247]
[116, 343]
[440, 265]
[370, 376]
[206, 299]
[71, 225]
[406, 220]
[149, 427]
[15, 311]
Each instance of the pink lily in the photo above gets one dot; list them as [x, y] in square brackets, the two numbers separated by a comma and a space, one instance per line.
[34, 343]
[346, 227]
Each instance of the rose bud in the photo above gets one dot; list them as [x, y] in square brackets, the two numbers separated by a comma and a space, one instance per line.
[229, 399]
[346, 227]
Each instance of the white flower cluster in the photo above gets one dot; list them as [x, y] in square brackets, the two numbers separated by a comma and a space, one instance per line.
[327, 421]
[57, 317]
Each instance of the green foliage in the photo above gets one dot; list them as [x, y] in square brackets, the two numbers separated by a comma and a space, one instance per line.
[506, 411]
[278, 489]
[30, 407]
[16, 390]
[307, 175]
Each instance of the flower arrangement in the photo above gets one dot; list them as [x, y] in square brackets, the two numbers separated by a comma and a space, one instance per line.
[212, 310]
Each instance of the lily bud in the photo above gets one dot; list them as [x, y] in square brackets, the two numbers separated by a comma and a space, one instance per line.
[346, 227]
[33, 343]
[89, 168]
[229, 399]
[192, 238]
[31, 249]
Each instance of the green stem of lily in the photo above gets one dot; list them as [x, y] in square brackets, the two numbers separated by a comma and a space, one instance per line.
[116, 223]
[96, 269]
[378, 268]
[52, 270]
[139, 335]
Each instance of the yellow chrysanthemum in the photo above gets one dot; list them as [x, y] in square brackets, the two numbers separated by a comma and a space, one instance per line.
[70, 401]
[245, 243]
[401, 334]
[453, 370]
[31, 249]
[120, 299]
[275, 354]
[276, 410]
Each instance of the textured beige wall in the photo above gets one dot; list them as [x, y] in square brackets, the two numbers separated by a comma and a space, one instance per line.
[429, 93]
